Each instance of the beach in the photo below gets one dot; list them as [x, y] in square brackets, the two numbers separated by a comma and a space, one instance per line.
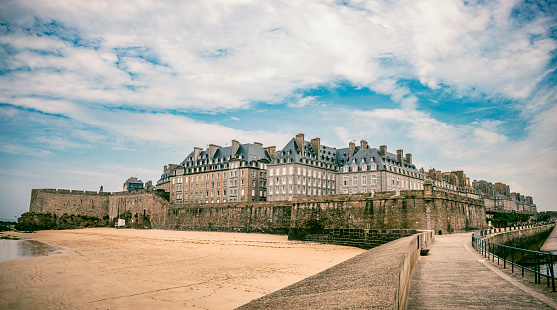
[107, 268]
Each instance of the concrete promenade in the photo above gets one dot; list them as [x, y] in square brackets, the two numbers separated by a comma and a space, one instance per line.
[454, 276]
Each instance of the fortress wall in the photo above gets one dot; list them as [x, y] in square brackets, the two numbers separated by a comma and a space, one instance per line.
[430, 209]
[61, 202]
[263, 217]
[142, 205]
[437, 210]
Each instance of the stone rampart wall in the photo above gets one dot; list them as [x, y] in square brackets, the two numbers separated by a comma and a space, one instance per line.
[263, 217]
[437, 210]
[430, 209]
[69, 202]
[376, 279]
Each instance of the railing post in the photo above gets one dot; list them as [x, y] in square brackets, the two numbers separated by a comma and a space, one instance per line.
[552, 271]
[512, 260]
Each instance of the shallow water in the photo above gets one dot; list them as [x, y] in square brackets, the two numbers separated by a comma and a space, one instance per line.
[12, 249]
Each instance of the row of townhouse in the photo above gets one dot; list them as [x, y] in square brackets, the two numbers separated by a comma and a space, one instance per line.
[249, 172]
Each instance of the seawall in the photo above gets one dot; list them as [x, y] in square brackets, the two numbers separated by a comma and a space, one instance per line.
[376, 279]
[530, 238]
[305, 218]
[63, 201]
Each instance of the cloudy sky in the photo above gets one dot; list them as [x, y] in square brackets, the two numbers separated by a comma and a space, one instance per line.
[93, 92]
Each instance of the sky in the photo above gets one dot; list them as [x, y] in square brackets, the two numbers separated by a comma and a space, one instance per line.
[94, 92]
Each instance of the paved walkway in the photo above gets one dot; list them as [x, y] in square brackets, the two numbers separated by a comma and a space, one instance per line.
[454, 276]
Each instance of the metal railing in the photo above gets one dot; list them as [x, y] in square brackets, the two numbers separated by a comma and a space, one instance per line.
[540, 264]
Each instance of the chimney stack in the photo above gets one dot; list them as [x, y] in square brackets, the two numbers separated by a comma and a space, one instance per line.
[315, 145]
[383, 150]
[351, 149]
[399, 153]
[258, 144]
[235, 147]
[300, 143]
[363, 145]
[271, 150]
[212, 150]
[165, 168]
[196, 152]
[409, 158]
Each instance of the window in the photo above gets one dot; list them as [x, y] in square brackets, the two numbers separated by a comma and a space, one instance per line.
[224, 175]
[346, 168]
[373, 179]
[364, 180]
[354, 180]
[242, 173]
[345, 183]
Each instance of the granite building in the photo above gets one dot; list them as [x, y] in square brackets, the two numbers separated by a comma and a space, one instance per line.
[302, 168]
[369, 170]
[308, 168]
[236, 173]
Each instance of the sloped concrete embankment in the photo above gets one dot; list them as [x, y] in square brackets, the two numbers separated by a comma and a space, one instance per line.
[376, 279]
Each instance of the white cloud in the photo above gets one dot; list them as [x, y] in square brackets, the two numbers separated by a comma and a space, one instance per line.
[59, 143]
[221, 55]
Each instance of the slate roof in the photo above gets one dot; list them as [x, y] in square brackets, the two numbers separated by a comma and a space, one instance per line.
[339, 157]
[248, 151]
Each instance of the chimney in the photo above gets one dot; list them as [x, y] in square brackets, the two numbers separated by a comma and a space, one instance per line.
[235, 147]
[409, 158]
[315, 145]
[300, 143]
[212, 150]
[165, 168]
[351, 149]
[399, 153]
[258, 144]
[196, 152]
[271, 150]
[363, 145]
[383, 150]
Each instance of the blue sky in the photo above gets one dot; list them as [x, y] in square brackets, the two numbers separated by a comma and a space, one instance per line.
[92, 93]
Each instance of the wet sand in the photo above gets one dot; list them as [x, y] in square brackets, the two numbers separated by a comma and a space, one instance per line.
[106, 268]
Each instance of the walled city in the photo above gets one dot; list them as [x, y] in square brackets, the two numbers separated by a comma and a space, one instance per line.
[306, 190]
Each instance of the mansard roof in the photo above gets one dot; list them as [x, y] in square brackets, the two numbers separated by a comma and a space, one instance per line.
[325, 154]
[371, 156]
[248, 152]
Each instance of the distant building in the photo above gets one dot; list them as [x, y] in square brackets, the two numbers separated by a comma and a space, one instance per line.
[133, 184]
[369, 170]
[235, 173]
[498, 198]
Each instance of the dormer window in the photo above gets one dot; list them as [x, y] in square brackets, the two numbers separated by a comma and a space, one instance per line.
[346, 168]
[364, 167]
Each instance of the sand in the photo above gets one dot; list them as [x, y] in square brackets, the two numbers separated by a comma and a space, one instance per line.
[106, 268]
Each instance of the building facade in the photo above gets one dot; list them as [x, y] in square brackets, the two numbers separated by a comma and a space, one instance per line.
[236, 173]
[369, 170]
[307, 168]
[302, 168]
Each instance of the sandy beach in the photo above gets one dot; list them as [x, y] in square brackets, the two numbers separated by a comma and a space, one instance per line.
[106, 268]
